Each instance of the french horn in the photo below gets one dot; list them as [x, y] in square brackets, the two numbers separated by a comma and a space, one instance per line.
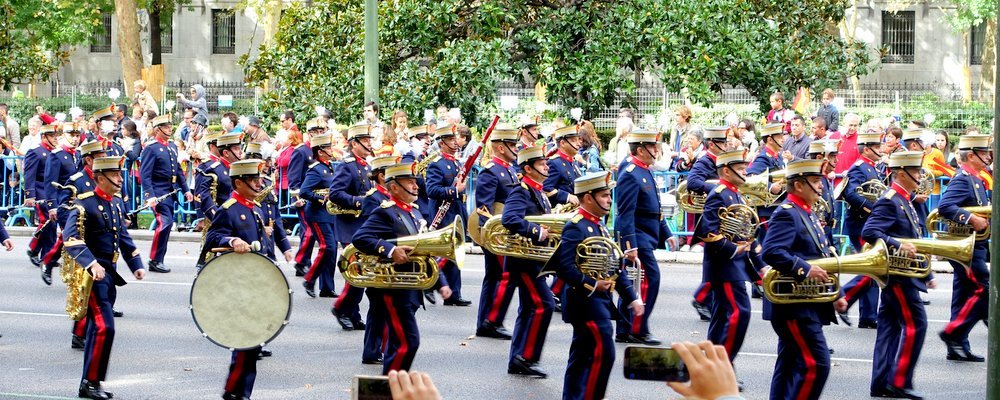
[871, 189]
[782, 289]
[738, 222]
[926, 184]
[690, 202]
[334, 209]
[943, 228]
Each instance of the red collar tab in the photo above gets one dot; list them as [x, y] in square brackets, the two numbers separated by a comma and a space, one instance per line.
[969, 170]
[531, 183]
[224, 162]
[769, 152]
[100, 193]
[163, 142]
[447, 156]
[867, 161]
[501, 162]
[901, 191]
[89, 172]
[564, 156]
[242, 200]
[712, 156]
[799, 202]
[729, 186]
[401, 205]
[638, 163]
[213, 157]
[47, 147]
[590, 217]
[69, 150]
[382, 189]
[360, 160]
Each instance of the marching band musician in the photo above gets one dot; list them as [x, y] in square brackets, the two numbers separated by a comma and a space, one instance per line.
[862, 287]
[528, 134]
[319, 177]
[826, 150]
[702, 171]
[161, 173]
[97, 249]
[269, 205]
[396, 218]
[587, 302]
[902, 321]
[640, 228]
[536, 301]
[769, 159]
[420, 142]
[793, 237]
[913, 141]
[63, 163]
[563, 171]
[493, 186]
[236, 224]
[375, 320]
[443, 186]
[104, 129]
[970, 289]
[351, 182]
[213, 185]
[298, 164]
[35, 187]
[727, 256]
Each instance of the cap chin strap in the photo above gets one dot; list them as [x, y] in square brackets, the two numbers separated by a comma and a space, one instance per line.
[577, 149]
[111, 181]
[985, 164]
[915, 180]
[529, 165]
[256, 189]
[818, 194]
[742, 178]
[358, 142]
[591, 193]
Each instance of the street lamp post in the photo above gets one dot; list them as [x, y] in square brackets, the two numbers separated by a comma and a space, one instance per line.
[371, 50]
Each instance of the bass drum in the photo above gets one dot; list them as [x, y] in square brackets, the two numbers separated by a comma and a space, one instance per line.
[240, 301]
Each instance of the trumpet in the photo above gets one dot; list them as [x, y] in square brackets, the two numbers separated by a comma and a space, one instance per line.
[498, 240]
[374, 271]
[919, 266]
[782, 289]
[334, 209]
[943, 228]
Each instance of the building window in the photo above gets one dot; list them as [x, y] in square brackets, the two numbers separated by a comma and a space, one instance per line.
[223, 32]
[897, 37]
[976, 39]
[101, 41]
[167, 39]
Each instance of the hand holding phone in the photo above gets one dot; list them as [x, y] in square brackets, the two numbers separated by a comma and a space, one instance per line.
[366, 387]
[661, 364]
[710, 371]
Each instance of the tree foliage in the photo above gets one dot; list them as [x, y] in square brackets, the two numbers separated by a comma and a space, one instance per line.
[587, 53]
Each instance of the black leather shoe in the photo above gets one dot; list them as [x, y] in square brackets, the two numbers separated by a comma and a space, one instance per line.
[520, 366]
[702, 309]
[156, 266]
[47, 274]
[956, 351]
[35, 260]
[359, 325]
[430, 297]
[557, 308]
[900, 393]
[89, 390]
[310, 289]
[328, 293]
[868, 324]
[490, 330]
[845, 318]
[626, 338]
[265, 352]
[878, 393]
[460, 302]
[342, 319]
[77, 343]
[756, 291]
[300, 269]
[116, 313]
[377, 361]
[233, 396]
[649, 339]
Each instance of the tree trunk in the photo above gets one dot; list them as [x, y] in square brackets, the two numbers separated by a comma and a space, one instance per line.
[988, 73]
[128, 43]
[966, 70]
[155, 43]
[271, 16]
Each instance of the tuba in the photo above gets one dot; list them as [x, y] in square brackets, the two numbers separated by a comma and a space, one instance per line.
[943, 228]
[738, 222]
[690, 202]
[334, 209]
[782, 289]
[500, 241]
[374, 271]
[78, 281]
[871, 189]
[920, 266]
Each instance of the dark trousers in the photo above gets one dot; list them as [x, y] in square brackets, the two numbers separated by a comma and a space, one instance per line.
[803, 360]
[51, 255]
[497, 292]
[323, 265]
[862, 289]
[591, 356]
[454, 277]
[969, 296]
[242, 372]
[100, 330]
[44, 237]
[649, 290]
[349, 301]
[80, 328]
[375, 327]
[404, 336]
[902, 326]
[534, 313]
[704, 294]
[730, 316]
[164, 213]
[306, 242]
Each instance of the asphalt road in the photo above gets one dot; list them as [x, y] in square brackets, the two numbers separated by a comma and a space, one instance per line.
[159, 354]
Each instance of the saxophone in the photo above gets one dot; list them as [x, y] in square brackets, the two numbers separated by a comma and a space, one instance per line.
[78, 281]
[420, 168]
[332, 208]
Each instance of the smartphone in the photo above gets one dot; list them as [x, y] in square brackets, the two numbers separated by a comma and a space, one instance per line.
[660, 364]
[367, 387]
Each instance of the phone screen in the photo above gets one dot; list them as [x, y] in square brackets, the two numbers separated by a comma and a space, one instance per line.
[370, 388]
[660, 364]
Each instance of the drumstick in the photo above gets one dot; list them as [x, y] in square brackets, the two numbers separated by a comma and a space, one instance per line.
[255, 246]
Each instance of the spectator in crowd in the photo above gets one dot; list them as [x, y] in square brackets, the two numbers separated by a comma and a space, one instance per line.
[139, 118]
[746, 132]
[287, 120]
[943, 143]
[442, 114]
[230, 123]
[32, 140]
[780, 114]
[131, 143]
[847, 153]
[121, 111]
[797, 143]
[388, 147]
[198, 103]
[11, 128]
[466, 145]
[400, 124]
[255, 132]
[141, 97]
[591, 148]
[372, 118]
[692, 150]
[682, 124]
[286, 144]
[412, 386]
[183, 131]
[819, 128]
[618, 149]
[874, 126]
[890, 142]
[828, 112]
[915, 124]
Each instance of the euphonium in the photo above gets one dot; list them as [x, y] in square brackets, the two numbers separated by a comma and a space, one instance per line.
[78, 281]
[500, 241]
[332, 208]
[781, 289]
[757, 189]
[871, 189]
[943, 228]
[738, 222]
[690, 202]
[565, 208]
[374, 271]
[920, 266]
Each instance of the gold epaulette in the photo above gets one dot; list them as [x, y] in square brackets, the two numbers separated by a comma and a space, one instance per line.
[712, 238]
[76, 176]
[786, 206]
[489, 165]
[315, 163]
[720, 188]
[577, 218]
[348, 159]
[387, 203]
[554, 156]
[228, 203]
[525, 186]
[888, 194]
[371, 191]
[214, 165]
[859, 162]
[630, 168]
[84, 195]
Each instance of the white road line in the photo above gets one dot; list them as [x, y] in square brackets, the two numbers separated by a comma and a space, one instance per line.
[162, 283]
[939, 321]
[34, 314]
[743, 353]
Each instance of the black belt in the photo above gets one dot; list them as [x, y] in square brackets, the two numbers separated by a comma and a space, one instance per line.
[647, 214]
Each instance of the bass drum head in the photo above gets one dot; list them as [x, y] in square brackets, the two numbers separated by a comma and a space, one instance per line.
[240, 301]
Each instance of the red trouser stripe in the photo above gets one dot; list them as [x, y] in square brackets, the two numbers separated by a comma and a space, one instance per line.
[156, 236]
[595, 367]
[311, 275]
[963, 314]
[53, 253]
[536, 322]
[100, 336]
[903, 364]
[807, 356]
[500, 294]
[307, 236]
[397, 327]
[862, 283]
[234, 376]
[643, 292]
[703, 291]
[343, 295]
[734, 319]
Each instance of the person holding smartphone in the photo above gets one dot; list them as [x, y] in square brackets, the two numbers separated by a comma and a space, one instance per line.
[587, 302]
